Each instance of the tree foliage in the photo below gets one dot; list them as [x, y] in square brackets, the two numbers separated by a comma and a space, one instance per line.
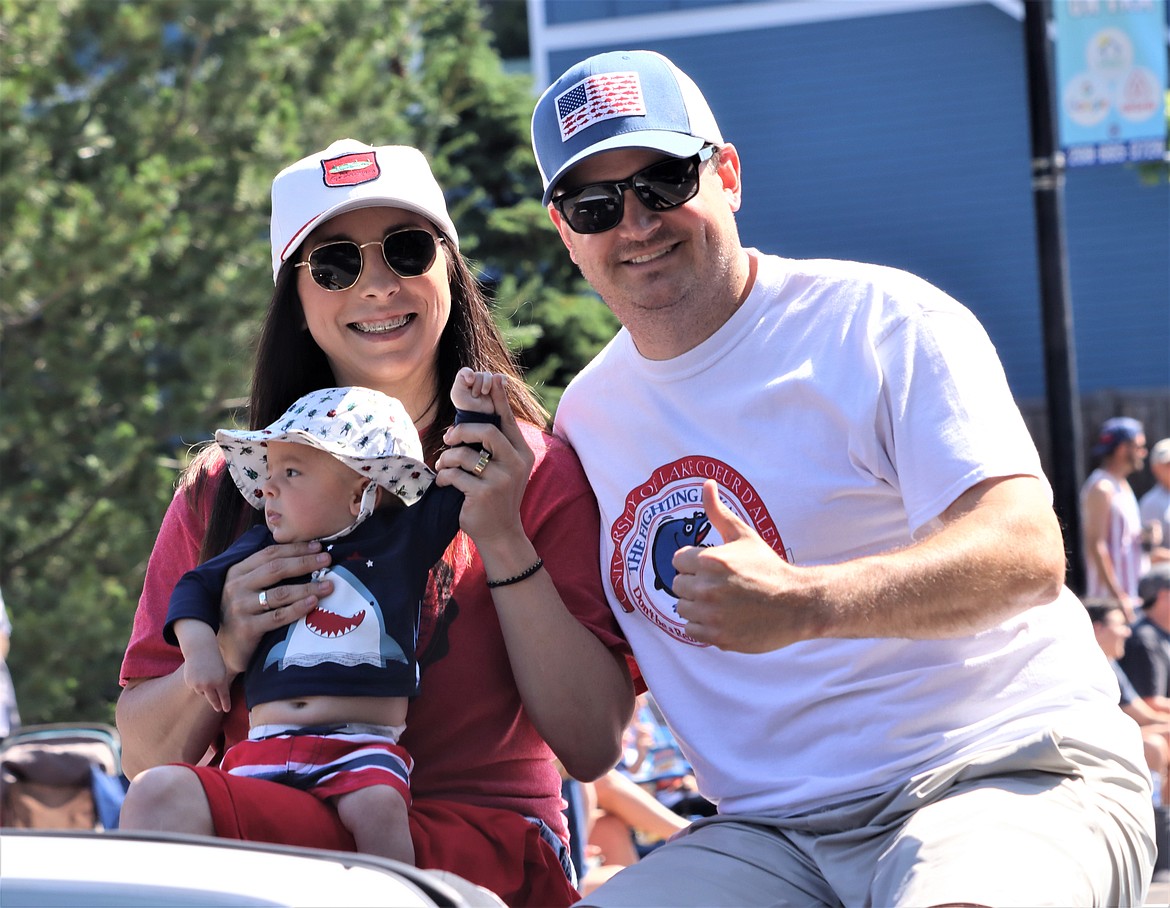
[138, 141]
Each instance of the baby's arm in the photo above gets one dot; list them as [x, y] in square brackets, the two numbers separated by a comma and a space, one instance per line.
[472, 391]
[203, 668]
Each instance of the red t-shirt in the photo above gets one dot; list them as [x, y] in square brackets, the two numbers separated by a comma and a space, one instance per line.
[470, 737]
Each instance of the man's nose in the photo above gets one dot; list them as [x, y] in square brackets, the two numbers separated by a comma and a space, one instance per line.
[636, 217]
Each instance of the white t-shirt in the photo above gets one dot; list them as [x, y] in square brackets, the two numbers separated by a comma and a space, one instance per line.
[841, 409]
[1155, 506]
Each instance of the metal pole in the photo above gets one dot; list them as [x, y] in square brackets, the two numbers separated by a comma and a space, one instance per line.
[1060, 371]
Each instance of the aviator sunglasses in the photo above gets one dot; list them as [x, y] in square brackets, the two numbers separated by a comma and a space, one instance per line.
[660, 187]
[408, 252]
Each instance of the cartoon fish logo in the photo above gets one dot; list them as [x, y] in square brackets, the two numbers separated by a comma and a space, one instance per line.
[672, 535]
[664, 513]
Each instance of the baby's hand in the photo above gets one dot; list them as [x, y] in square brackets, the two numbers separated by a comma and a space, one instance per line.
[473, 390]
[205, 673]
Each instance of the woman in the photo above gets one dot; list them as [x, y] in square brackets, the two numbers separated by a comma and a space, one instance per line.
[535, 658]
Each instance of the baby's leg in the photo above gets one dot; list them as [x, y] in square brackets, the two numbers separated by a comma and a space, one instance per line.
[376, 817]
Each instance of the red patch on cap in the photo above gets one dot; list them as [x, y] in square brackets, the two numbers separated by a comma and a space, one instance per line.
[351, 169]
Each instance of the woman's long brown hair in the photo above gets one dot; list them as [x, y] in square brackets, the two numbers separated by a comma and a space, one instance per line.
[289, 364]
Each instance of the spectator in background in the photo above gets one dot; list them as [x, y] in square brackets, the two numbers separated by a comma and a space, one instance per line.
[1112, 631]
[1110, 520]
[624, 822]
[9, 715]
[1154, 506]
[652, 758]
[1146, 661]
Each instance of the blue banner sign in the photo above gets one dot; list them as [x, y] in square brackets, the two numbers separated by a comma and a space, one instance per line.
[1111, 80]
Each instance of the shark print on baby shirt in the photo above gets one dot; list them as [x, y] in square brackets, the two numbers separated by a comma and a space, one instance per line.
[346, 627]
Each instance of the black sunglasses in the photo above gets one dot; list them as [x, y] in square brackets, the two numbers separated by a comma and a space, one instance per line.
[408, 252]
[660, 187]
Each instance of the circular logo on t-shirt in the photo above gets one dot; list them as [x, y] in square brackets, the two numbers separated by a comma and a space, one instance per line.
[666, 513]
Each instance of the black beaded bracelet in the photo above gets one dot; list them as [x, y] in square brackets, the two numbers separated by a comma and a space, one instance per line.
[523, 575]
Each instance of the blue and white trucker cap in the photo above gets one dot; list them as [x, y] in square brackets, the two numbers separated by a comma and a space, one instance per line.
[620, 99]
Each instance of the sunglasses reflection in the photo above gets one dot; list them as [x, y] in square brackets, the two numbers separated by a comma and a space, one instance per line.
[664, 185]
[337, 265]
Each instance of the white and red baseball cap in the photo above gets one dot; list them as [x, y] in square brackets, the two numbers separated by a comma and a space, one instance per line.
[346, 176]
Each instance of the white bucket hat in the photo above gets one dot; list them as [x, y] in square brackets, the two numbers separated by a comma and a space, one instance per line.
[344, 177]
[366, 430]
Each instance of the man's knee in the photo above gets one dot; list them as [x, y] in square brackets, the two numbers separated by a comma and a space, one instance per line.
[167, 798]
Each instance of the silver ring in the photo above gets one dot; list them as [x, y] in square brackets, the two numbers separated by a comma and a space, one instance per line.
[485, 457]
[264, 599]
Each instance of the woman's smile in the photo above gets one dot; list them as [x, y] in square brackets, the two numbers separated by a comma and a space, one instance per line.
[382, 327]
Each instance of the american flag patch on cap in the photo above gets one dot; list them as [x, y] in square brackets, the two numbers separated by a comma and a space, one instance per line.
[598, 98]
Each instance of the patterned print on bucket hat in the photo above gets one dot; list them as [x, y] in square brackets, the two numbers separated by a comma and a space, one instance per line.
[366, 430]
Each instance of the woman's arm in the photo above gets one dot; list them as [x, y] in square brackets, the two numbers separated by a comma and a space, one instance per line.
[576, 691]
[161, 720]
[623, 798]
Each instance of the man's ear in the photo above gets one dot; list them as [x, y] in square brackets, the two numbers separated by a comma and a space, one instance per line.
[729, 173]
[564, 230]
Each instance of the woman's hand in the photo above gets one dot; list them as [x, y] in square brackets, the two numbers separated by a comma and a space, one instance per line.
[492, 495]
[246, 615]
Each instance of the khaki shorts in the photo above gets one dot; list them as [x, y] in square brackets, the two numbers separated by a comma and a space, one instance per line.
[1049, 821]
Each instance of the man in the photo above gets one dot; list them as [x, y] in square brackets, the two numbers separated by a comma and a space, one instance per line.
[1154, 506]
[1112, 633]
[1147, 653]
[828, 539]
[1112, 525]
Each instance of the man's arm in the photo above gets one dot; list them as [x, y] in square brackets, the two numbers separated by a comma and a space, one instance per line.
[1098, 504]
[1145, 713]
[997, 552]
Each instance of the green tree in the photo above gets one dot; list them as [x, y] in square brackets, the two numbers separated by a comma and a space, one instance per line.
[137, 145]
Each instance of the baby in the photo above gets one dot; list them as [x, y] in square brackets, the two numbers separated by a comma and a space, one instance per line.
[327, 695]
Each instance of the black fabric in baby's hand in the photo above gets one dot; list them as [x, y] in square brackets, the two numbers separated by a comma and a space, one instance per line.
[465, 416]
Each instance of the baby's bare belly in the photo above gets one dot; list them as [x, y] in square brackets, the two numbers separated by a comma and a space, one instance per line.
[331, 711]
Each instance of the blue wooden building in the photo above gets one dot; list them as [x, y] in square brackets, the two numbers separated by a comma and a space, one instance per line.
[897, 131]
